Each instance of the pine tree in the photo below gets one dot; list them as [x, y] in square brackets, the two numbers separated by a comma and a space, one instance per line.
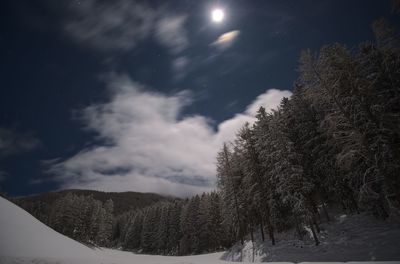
[134, 231]
[106, 223]
[190, 226]
[229, 179]
[174, 231]
[258, 193]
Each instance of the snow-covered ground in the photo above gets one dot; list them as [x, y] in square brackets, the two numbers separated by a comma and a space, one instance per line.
[25, 240]
[358, 237]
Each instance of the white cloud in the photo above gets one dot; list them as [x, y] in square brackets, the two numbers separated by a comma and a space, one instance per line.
[269, 100]
[149, 146]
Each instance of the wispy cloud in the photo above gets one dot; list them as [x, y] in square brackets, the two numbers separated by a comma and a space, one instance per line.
[121, 25]
[110, 26]
[170, 32]
[150, 146]
[180, 67]
[13, 142]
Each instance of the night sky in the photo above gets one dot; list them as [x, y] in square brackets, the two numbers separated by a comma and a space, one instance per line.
[130, 95]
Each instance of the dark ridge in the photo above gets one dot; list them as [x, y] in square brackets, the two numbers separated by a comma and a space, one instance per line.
[123, 201]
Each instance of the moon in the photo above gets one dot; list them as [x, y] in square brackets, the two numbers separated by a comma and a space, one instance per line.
[217, 15]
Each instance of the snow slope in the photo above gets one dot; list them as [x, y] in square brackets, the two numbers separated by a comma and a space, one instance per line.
[358, 237]
[25, 240]
[23, 235]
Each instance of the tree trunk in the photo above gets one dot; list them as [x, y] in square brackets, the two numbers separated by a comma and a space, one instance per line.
[314, 234]
[271, 233]
[239, 233]
[269, 225]
[354, 202]
[252, 242]
[252, 245]
[251, 234]
[328, 219]
[316, 225]
[262, 228]
[314, 209]
[383, 204]
[298, 229]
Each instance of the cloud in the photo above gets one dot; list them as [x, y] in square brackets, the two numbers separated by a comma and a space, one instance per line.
[269, 100]
[227, 39]
[13, 142]
[171, 33]
[180, 67]
[121, 25]
[147, 145]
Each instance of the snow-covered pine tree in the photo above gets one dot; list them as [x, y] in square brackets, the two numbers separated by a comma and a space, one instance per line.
[256, 189]
[150, 229]
[162, 236]
[105, 223]
[204, 215]
[217, 233]
[134, 231]
[190, 225]
[286, 172]
[359, 132]
[229, 179]
[174, 224]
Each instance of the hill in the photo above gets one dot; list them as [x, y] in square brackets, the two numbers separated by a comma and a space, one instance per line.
[123, 201]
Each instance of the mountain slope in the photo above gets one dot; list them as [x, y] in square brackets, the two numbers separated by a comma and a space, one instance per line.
[123, 201]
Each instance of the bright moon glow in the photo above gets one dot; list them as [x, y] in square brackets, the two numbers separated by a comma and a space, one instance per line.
[217, 15]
